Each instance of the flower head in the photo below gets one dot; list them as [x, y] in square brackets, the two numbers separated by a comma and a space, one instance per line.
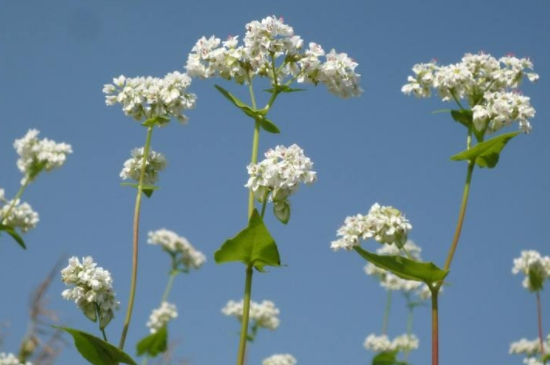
[36, 154]
[92, 289]
[488, 85]
[280, 359]
[161, 316]
[529, 347]
[179, 248]
[150, 97]
[11, 359]
[20, 216]
[385, 224]
[263, 315]
[154, 163]
[382, 343]
[535, 267]
[264, 42]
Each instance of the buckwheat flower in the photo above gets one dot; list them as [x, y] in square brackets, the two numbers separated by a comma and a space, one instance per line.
[11, 359]
[535, 267]
[280, 359]
[36, 154]
[154, 163]
[532, 361]
[529, 347]
[338, 75]
[91, 289]
[149, 97]
[385, 224]
[405, 343]
[161, 316]
[488, 85]
[179, 248]
[21, 216]
[262, 315]
[378, 343]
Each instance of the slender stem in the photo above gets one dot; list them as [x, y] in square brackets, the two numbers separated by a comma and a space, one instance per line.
[264, 204]
[539, 314]
[168, 287]
[104, 335]
[137, 210]
[14, 201]
[435, 326]
[410, 316]
[255, 144]
[461, 216]
[386, 319]
[246, 312]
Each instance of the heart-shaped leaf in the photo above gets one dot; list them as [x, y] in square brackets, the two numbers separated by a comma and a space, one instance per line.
[486, 154]
[464, 117]
[97, 351]
[252, 246]
[405, 268]
[146, 189]
[387, 358]
[153, 344]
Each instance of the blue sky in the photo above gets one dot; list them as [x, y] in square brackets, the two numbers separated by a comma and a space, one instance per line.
[382, 147]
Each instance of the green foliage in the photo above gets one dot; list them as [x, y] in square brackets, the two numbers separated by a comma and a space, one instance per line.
[158, 120]
[464, 117]
[486, 154]
[387, 358]
[13, 233]
[256, 114]
[97, 351]
[252, 246]
[146, 189]
[283, 89]
[153, 344]
[405, 268]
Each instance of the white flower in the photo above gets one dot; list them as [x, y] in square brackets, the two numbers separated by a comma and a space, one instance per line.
[280, 173]
[179, 247]
[154, 163]
[92, 289]
[161, 316]
[385, 224]
[280, 359]
[535, 267]
[529, 347]
[264, 42]
[149, 97]
[21, 216]
[263, 315]
[382, 343]
[532, 361]
[11, 359]
[36, 155]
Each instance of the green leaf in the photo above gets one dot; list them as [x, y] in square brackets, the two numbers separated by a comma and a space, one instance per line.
[269, 126]
[13, 233]
[406, 269]
[387, 358]
[160, 120]
[146, 189]
[545, 358]
[283, 89]
[238, 103]
[464, 117]
[252, 246]
[97, 351]
[153, 344]
[486, 154]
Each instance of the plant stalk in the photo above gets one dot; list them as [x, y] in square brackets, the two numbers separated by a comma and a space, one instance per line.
[539, 315]
[435, 326]
[386, 319]
[246, 312]
[135, 246]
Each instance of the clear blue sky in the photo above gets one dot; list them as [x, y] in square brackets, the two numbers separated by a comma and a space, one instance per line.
[382, 147]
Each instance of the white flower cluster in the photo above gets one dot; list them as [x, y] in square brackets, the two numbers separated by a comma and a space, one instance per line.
[280, 359]
[280, 173]
[535, 267]
[149, 97]
[532, 361]
[263, 315]
[179, 248]
[489, 85]
[529, 348]
[154, 163]
[36, 154]
[92, 289]
[161, 316]
[382, 343]
[264, 42]
[383, 223]
[20, 216]
[11, 359]
[390, 281]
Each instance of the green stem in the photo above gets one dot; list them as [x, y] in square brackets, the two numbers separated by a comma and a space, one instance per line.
[137, 210]
[410, 316]
[104, 335]
[14, 201]
[435, 326]
[264, 204]
[168, 287]
[246, 312]
[386, 319]
[539, 315]
[255, 145]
